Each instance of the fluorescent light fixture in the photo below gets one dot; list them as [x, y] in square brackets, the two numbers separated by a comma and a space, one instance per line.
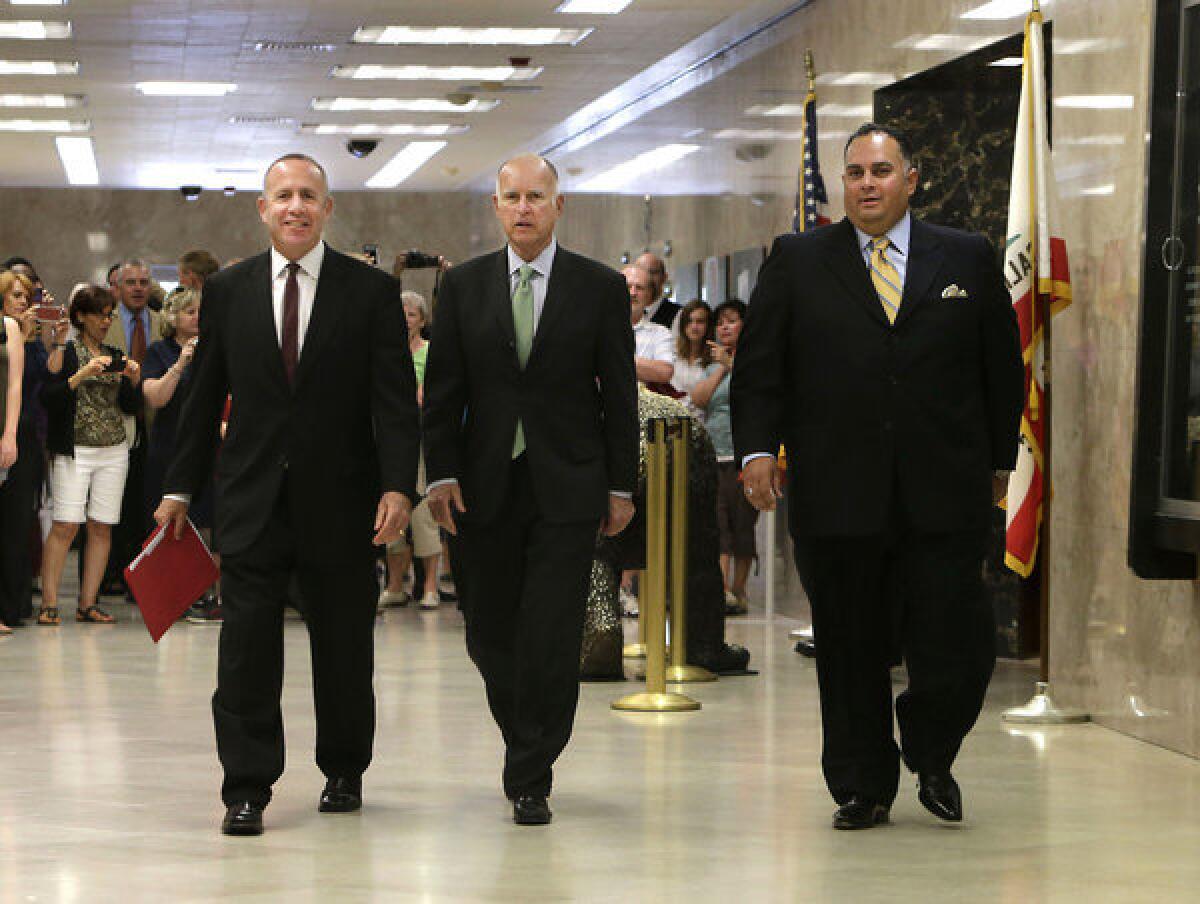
[999, 9]
[854, 111]
[37, 2]
[41, 100]
[1095, 102]
[855, 78]
[78, 159]
[438, 73]
[35, 31]
[38, 67]
[44, 125]
[185, 89]
[97, 242]
[1008, 62]
[1098, 191]
[775, 110]
[414, 155]
[214, 178]
[402, 105]
[640, 165]
[758, 135]
[453, 35]
[961, 43]
[1111, 140]
[597, 7]
[368, 128]
[1088, 45]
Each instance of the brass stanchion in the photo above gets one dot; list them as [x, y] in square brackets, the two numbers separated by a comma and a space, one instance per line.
[679, 671]
[656, 698]
[638, 650]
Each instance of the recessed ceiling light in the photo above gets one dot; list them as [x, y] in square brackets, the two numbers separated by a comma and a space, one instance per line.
[438, 73]
[41, 100]
[961, 43]
[598, 7]
[414, 155]
[35, 31]
[1098, 190]
[367, 128]
[758, 135]
[1095, 102]
[450, 35]
[185, 89]
[44, 125]
[855, 78]
[402, 104]
[999, 9]
[38, 67]
[1111, 140]
[78, 159]
[647, 162]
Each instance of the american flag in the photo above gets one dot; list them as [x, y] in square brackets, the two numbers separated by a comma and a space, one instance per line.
[810, 190]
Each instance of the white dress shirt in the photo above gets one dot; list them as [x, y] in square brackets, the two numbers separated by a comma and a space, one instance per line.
[539, 281]
[653, 341]
[306, 281]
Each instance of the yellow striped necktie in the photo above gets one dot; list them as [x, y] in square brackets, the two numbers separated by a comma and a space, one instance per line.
[885, 277]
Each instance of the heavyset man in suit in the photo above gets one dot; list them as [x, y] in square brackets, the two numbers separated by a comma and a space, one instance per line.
[883, 352]
[319, 463]
[530, 427]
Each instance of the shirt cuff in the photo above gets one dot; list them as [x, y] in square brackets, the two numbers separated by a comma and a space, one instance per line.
[620, 494]
[185, 498]
[429, 488]
[753, 455]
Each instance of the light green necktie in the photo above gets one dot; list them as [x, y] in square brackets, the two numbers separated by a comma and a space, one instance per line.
[522, 305]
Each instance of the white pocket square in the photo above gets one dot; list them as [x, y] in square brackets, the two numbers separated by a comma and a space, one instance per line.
[953, 291]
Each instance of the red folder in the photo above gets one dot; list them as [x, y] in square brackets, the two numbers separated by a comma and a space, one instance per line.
[169, 575]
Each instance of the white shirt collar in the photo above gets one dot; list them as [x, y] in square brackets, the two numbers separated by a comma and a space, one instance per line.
[899, 235]
[310, 263]
[542, 263]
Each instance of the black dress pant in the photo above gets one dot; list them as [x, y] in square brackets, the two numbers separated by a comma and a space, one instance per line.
[338, 590]
[522, 584]
[18, 498]
[946, 632]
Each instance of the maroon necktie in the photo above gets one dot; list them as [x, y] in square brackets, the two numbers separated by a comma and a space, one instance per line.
[137, 345]
[291, 322]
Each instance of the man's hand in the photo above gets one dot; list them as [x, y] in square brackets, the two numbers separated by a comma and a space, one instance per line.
[391, 518]
[761, 483]
[620, 513]
[444, 500]
[173, 511]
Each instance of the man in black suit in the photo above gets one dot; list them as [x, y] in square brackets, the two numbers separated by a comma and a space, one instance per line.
[319, 463]
[660, 310]
[530, 426]
[883, 352]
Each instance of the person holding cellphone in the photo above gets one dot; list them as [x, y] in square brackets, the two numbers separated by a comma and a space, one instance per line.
[87, 402]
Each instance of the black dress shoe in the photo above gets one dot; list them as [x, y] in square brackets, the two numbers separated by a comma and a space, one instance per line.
[242, 818]
[341, 795]
[939, 793]
[531, 810]
[860, 813]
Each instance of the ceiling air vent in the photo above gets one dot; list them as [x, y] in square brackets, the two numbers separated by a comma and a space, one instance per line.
[292, 46]
[282, 122]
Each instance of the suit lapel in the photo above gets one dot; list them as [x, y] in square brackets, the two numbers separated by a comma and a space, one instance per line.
[261, 315]
[555, 304]
[498, 297]
[323, 319]
[846, 261]
[925, 256]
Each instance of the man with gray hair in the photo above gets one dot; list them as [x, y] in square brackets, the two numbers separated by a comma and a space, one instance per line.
[530, 426]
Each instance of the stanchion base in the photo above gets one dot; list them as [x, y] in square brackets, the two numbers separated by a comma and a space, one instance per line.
[634, 651]
[647, 702]
[685, 674]
[1042, 710]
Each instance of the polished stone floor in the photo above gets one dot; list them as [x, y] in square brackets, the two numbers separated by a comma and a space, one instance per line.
[109, 792]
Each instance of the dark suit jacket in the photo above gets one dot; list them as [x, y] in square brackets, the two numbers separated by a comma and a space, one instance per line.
[916, 414]
[577, 397]
[666, 313]
[346, 431]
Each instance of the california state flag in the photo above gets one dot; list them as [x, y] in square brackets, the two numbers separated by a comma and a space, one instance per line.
[1035, 266]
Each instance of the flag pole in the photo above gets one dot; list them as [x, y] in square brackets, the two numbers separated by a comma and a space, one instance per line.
[1041, 708]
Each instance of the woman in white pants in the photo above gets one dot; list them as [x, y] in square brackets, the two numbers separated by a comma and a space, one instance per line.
[87, 403]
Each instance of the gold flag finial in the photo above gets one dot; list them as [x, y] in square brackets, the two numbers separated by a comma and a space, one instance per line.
[1037, 6]
[812, 69]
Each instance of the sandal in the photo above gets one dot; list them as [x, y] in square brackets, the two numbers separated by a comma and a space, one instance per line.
[48, 615]
[94, 614]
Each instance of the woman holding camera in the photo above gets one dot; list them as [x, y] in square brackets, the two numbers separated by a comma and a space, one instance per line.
[88, 402]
